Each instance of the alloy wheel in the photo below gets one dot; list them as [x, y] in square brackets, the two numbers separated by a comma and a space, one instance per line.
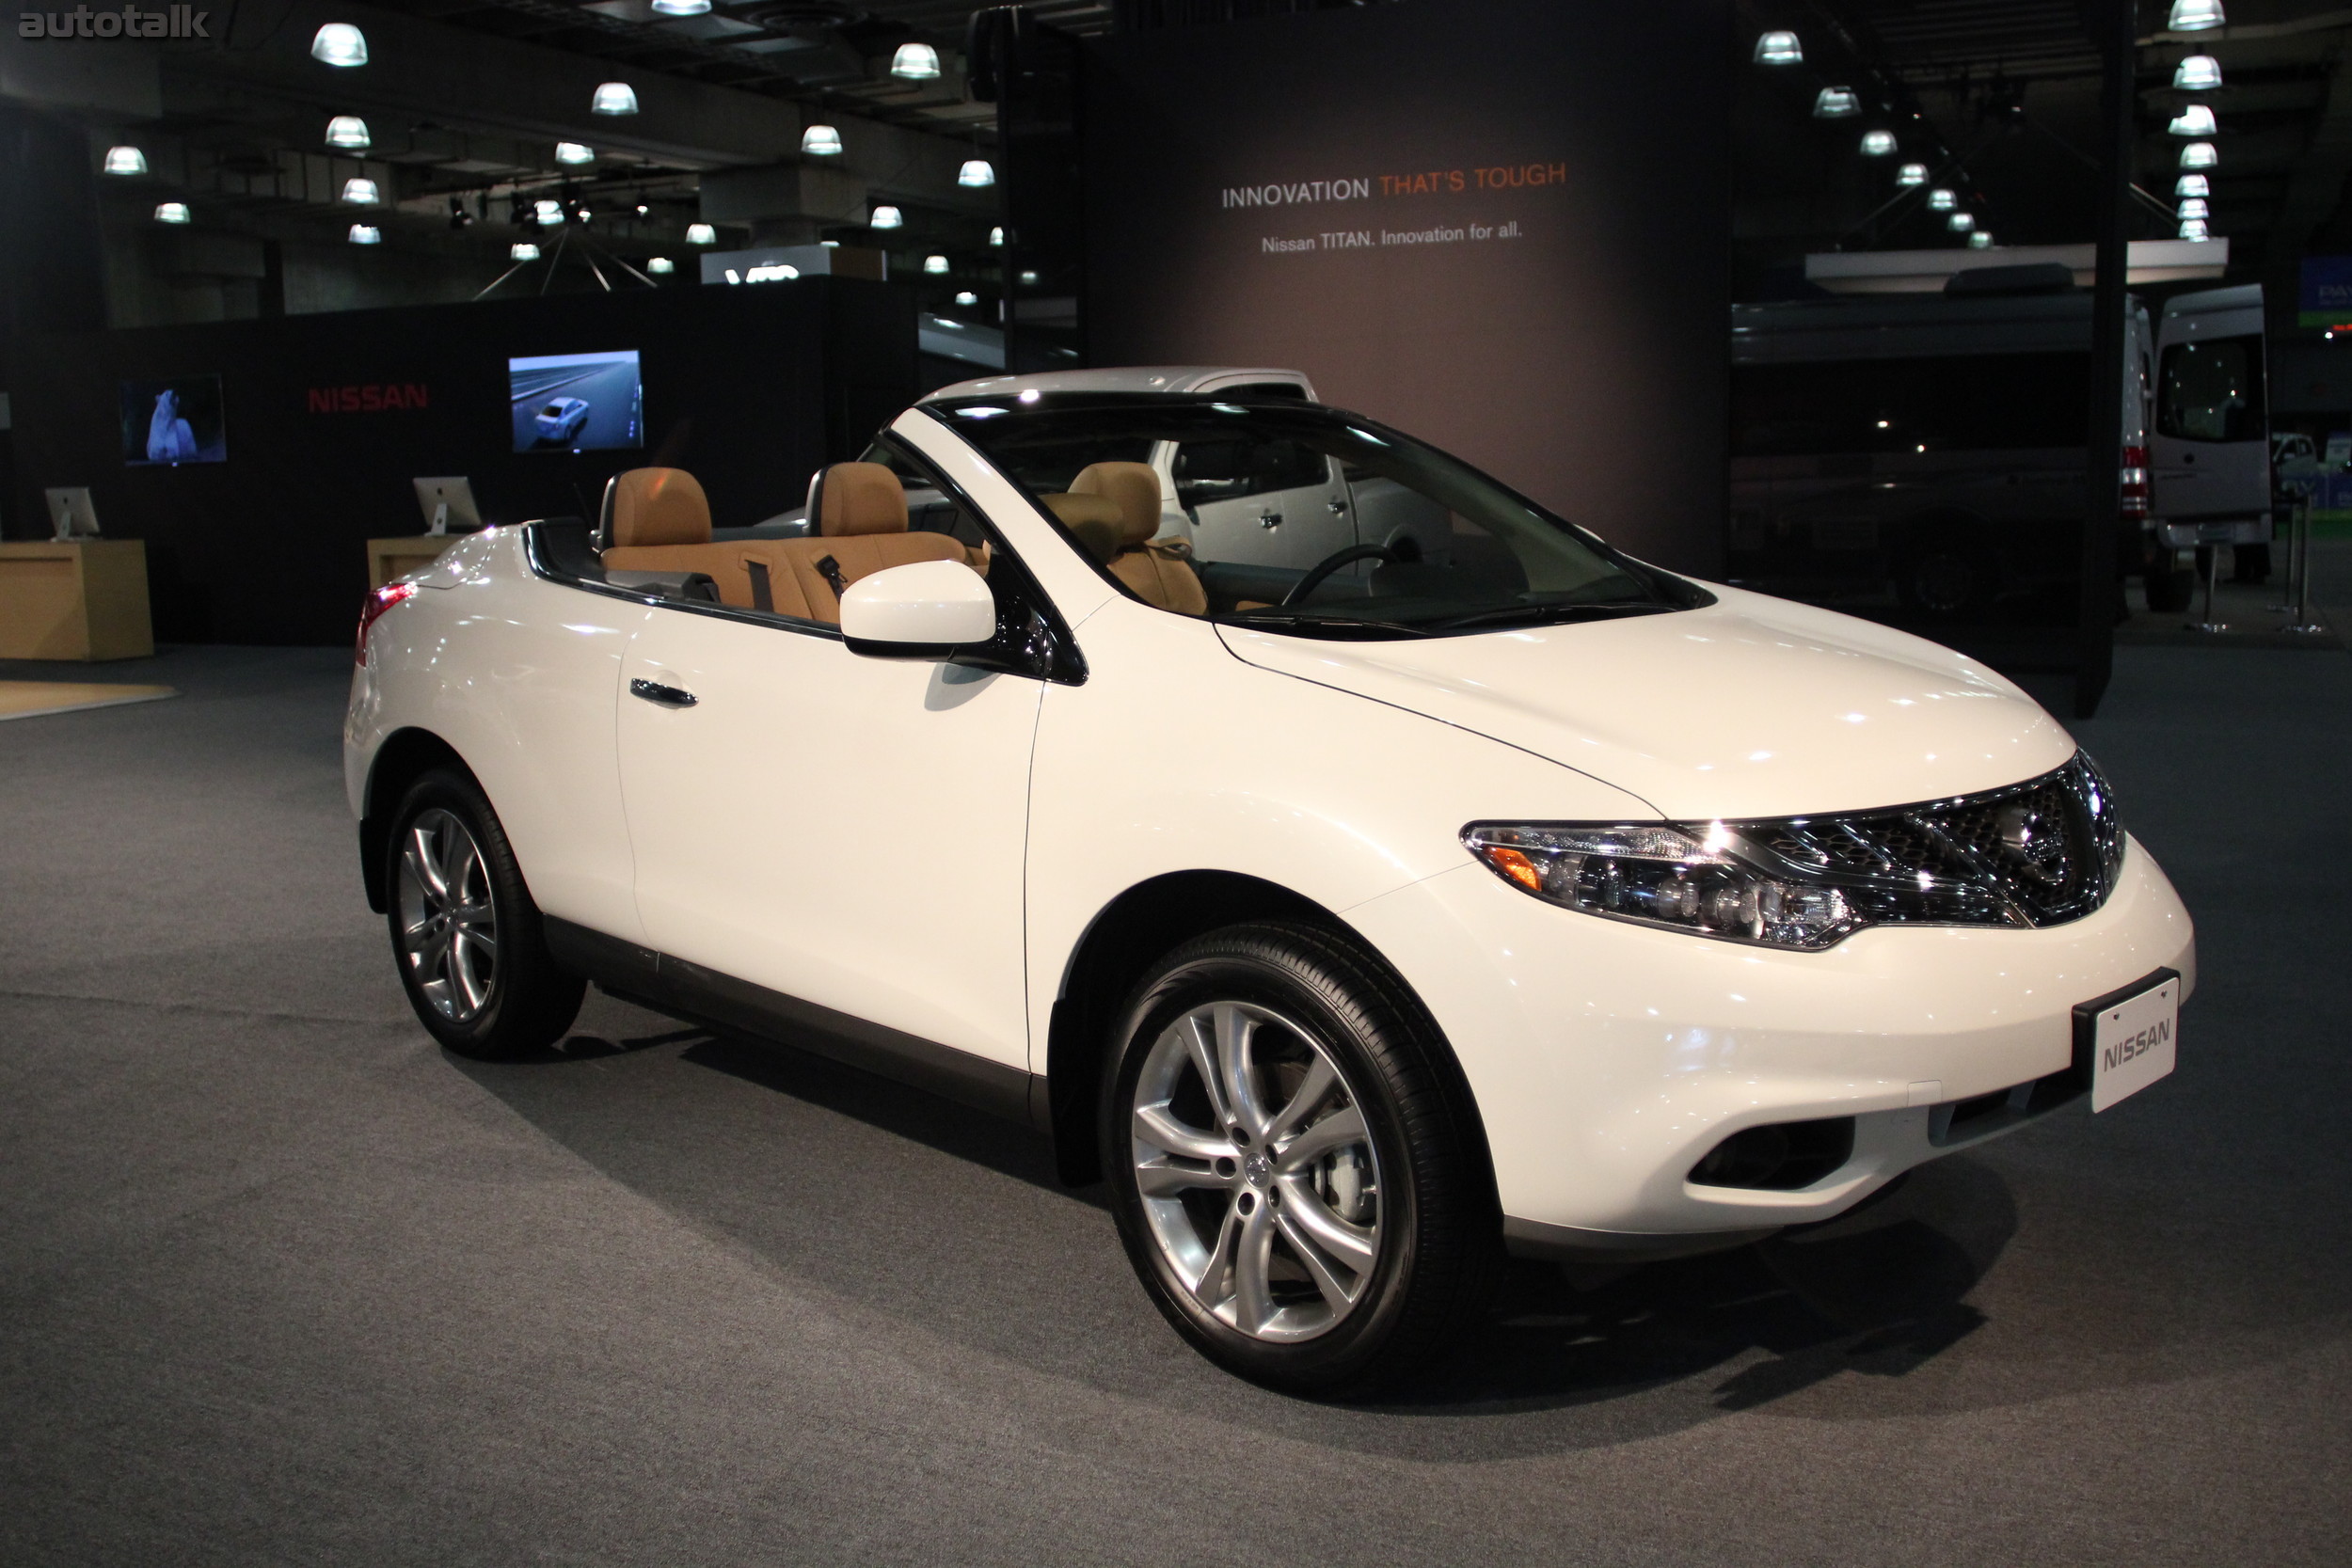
[1256, 1171]
[448, 915]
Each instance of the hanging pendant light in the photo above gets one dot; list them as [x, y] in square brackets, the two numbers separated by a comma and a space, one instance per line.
[125, 161]
[2195, 120]
[361, 193]
[915, 62]
[701, 233]
[1779, 49]
[2194, 229]
[821, 141]
[1877, 144]
[348, 134]
[967, 297]
[613, 98]
[2192, 184]
[1911, 174]
[172, 211]
[1961, 223]
[1980, 240]
[660, 264]
[338, 43]
[2197, 16]
[1835, 103]
[2198, 74]
[887, 216]
[362, 233]
[976, 173]
[996, 238]
[2193, 207]
[573, 153]
[1941, 200]
[522, 250]
[681, 8]
[935, 264]
[2198, 154]
[550, 213]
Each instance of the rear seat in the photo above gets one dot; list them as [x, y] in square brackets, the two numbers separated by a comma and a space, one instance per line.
[658, 520]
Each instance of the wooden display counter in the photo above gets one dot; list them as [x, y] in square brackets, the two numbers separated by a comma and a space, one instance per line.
[396, 557]
[77, 599]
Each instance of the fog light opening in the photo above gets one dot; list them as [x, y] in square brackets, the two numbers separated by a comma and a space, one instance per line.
[1782, 1157]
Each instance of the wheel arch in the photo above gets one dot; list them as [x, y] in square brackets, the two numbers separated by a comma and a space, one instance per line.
[1129, 934]
[404, 756]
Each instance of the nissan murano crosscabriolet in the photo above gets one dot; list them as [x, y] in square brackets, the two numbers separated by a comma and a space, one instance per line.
[1476, 889]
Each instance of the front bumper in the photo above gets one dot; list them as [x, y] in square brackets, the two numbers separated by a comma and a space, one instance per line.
[1608, 1059]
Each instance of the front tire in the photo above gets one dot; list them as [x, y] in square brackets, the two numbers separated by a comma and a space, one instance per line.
[467, 938]
[1294, 1163]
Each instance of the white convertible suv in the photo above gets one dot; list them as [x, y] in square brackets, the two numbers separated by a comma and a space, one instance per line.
[1477, 889]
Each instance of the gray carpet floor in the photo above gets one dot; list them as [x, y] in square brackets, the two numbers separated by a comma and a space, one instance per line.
[280, 1282]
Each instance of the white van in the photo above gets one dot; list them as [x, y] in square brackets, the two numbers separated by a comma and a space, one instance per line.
[2211, 449]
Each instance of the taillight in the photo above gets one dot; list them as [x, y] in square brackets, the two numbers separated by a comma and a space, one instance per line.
[2135, 482]
[371, 609]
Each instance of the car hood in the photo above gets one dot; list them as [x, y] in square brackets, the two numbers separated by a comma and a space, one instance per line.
[1751, 707]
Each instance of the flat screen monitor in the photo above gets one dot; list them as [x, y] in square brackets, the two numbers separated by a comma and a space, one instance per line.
[71, 515]
[173, 419]
[577, 401]
[448, 504]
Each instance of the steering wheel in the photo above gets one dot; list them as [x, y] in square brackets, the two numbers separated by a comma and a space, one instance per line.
[1332, 562]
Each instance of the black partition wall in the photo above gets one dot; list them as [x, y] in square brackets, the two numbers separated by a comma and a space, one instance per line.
[327, 419]
[1504, 226]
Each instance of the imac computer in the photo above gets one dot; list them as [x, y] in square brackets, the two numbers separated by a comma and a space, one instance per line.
[448, 504]
[71, 514]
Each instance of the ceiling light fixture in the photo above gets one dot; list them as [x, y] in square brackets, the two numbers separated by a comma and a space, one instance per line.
[1877, 144]
[573, 153]
[613, 98]
[361, 192]
[522, 250]
[1911, 174]
[701, 233]
[681, 8]
[550, 212]
[125, 160]
[976, 173]
[2198, 154]
[967, 297]
[935, 264]
[362, 233]
[348, 134]
[996, 238]
[2194, 207]
[820, 141]
[886, 216]
[172, 212]
[1837, 103]
[915, 62]
[2197, 16]
[2195, 120]
[1980, 240]
[2194, 229]
[1028, 279]
[2193, 184]
[1940, 201]
[1779, 49]
[2198, 74]
[338, 43]
[1961, 223]
[660, 264]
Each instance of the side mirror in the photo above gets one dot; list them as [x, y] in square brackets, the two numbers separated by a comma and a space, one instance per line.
[926, 611]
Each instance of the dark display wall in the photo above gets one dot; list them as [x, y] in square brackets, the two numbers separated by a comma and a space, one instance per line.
[1502, 225]
[328, 418]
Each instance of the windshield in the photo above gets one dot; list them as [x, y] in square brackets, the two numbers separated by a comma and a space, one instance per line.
[1295, 517]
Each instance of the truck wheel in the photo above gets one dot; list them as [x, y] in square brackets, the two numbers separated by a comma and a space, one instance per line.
[1294, 1162]
[466, 936]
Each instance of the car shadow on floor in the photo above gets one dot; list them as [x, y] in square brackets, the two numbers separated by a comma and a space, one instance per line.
[1879, 1293]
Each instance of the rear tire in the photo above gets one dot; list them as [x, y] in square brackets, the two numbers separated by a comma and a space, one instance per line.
[468, 942]
[1294, 1165]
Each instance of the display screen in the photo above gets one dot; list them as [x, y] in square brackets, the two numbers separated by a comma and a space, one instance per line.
[577, 401]
[173, 420]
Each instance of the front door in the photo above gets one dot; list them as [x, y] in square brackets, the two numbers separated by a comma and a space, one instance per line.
[1262, 502]
[848, 831]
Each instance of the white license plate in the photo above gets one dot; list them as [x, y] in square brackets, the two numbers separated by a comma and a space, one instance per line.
[2132, 1043]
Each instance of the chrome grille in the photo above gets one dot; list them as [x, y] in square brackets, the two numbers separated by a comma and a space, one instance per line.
[2036, 853]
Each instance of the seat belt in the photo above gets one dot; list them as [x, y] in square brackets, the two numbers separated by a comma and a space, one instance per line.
[829, 570]
[762, 598]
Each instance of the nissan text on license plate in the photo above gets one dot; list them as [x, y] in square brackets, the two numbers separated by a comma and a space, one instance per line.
[2132, 1042]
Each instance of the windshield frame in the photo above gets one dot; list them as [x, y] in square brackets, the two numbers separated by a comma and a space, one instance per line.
[1666, 591]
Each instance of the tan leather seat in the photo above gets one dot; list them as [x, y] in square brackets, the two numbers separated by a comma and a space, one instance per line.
[858, 511]
[658, 520]
[1156, 574]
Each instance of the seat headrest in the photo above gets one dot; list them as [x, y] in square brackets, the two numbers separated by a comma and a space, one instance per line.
[656, 506]
[1132, 487]
[1092, 519]
[856, 498]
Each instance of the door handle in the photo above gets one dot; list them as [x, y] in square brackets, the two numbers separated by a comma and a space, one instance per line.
[660, 695]
[1338, 507]
[1269, 520]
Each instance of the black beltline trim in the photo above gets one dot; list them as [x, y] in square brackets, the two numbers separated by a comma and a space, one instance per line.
[705, 996]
